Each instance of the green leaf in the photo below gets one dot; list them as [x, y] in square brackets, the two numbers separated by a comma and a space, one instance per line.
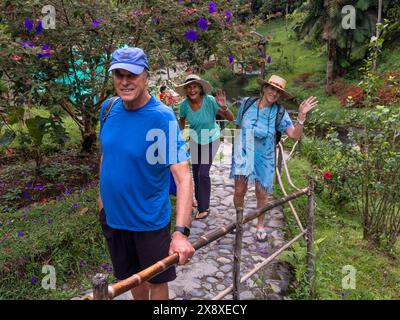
[7, 138]
[37, 128]
[363, 5]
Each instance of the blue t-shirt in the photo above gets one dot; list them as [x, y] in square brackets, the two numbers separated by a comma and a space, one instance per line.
[204, 128]
[138, 146]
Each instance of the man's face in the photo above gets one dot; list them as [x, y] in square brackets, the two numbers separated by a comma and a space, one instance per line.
[129, 86]
[271, 94]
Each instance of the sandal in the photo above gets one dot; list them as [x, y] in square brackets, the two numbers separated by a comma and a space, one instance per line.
[261, 235]
[198, 217]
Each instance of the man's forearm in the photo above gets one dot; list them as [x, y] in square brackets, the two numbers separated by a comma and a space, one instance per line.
[184, 196]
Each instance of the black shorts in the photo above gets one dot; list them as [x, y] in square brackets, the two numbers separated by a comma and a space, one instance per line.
[133, 251]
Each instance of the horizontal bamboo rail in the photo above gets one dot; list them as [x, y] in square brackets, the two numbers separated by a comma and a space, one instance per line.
[135, 280]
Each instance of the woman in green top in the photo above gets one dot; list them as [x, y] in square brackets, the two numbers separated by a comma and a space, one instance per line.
[199, 110]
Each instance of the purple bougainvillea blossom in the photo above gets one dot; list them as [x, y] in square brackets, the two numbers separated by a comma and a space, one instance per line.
[191, 35]
[96, 23]
[28, 24]
[202, 23]
[29, 44]
[228, 16]
[230, 58]
[211, 7]
[39, 27]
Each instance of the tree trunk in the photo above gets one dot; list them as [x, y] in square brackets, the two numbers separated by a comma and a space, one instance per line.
[330, 65]
[89, 135]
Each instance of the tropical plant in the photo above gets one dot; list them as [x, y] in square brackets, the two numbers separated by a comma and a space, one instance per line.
[323, 23]
[68, 67]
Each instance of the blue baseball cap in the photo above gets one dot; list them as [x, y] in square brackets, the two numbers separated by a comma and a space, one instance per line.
[129, 58]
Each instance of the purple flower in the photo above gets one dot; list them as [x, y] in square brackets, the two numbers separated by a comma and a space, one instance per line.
[24, 44]
[228, 16]
[45, 47]
[96, 23]
[20, 234]
[211, 7]
[38, 186]
[269, 60]
[344, 294]
[26, 195]
[202, 23]
[34, 220]
[105, 266]
[191, 35]
[82, 264]
[76, 205]
[155, 21]
[33, 280]
[39, 27]
[44, 55]
[68, 191]
[181, 1]
[50, 221]
[230, 58]
[28, 24]
[82, 188]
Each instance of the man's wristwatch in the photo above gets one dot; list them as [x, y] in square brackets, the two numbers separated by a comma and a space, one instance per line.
[184, 230]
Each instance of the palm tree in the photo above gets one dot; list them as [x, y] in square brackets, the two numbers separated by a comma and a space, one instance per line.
[323, 23]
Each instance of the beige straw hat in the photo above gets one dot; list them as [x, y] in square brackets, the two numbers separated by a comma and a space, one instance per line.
[278, 83]
[190, 79]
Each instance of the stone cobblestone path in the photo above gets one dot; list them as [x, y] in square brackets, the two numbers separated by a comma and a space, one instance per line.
[210, 270]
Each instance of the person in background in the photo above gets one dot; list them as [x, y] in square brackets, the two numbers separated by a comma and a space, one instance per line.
[199, 109]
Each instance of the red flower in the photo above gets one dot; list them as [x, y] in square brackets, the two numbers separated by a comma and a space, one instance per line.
[15, 57]
[327, 175]
[44, 200]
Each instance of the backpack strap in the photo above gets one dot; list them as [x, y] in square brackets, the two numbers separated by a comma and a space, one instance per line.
[108, 107]
[279, 116]
[278, 119]
[246, 106]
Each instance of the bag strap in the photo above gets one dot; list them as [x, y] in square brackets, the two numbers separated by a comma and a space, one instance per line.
[108, 107]
[279, 116]
[246, 106]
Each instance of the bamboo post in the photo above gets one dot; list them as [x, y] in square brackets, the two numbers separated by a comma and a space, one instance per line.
[100, 287]
[279, 162]
[310, 236]
[238, 254]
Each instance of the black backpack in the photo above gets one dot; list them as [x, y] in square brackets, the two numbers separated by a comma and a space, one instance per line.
[278, 119]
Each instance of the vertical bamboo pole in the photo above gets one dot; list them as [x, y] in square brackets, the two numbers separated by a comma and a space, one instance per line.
[100, 287]
[310, 236]
[238, 254]
[278, 162]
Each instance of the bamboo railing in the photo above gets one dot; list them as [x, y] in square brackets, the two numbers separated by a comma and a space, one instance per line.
[103, 291]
